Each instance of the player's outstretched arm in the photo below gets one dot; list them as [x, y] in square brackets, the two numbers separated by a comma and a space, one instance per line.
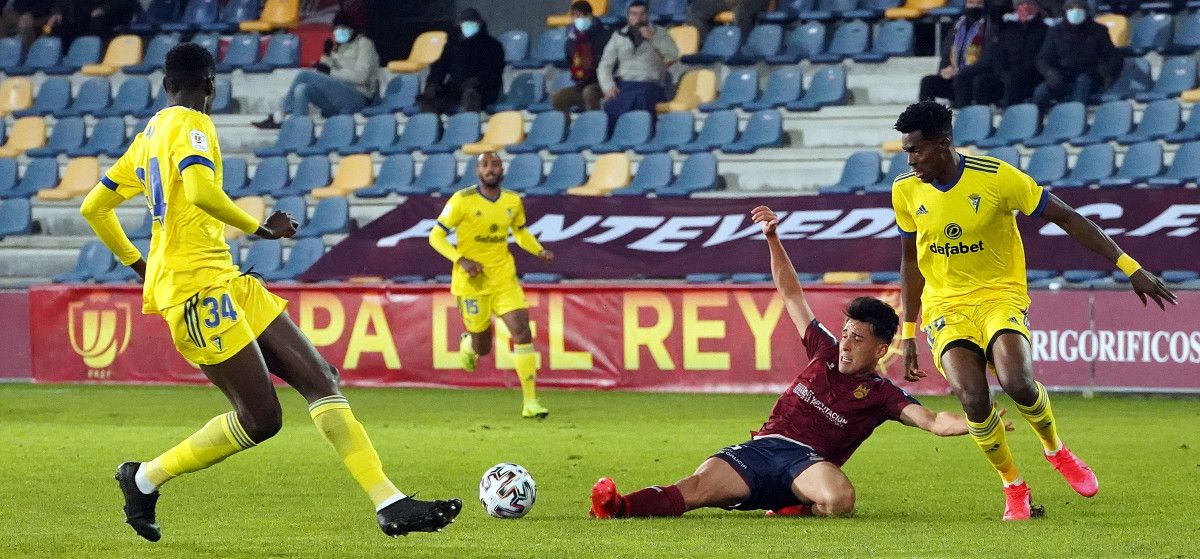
[97, 210]
[1088, 234]
[942, 423]
[783, 272]
[912, 283]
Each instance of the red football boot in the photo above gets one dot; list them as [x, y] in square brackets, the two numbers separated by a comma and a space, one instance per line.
[1079, 475]
[792, 510]
[1017, 502]
[606, 501]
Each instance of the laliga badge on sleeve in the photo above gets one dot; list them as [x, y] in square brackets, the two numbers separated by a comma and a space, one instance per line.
[199, 140]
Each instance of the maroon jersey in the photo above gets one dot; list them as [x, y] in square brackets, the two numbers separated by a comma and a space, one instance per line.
[831, 412]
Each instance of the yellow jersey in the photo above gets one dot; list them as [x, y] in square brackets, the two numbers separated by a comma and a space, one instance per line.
[968, 245]
[188, 252]
[482, 225]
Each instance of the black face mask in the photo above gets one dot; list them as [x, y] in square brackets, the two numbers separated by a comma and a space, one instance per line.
[973, 13]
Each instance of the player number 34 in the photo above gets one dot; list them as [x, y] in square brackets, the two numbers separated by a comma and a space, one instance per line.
[219, 309]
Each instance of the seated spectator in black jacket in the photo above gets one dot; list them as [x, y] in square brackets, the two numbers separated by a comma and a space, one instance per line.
[961, 51]
[586, 39]
[25, 19]
[1012, 55]
[469, 75]
[75, 18]
[1077, 58]
[700, 14]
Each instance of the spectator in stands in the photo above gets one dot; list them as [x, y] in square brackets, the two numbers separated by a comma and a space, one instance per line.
[700, 14]
[634, 66]
[24, 18]
[585, 43]
[962, 50]
[344, 80]
[75, 18]
[1012, 55]
[469, 75]
[1077, 58]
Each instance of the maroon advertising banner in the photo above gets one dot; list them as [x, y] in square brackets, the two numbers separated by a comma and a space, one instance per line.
[623, 238]
[14, 335]
[633, 337]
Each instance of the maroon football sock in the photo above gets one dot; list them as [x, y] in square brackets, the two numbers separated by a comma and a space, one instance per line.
[655, 501]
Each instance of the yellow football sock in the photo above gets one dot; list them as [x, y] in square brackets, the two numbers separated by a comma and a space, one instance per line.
[220, 438]
[989, 435]
[337, 424]
[1041, 418]
[525, 359]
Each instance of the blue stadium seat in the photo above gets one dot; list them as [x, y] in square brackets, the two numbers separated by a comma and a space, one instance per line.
[282, 52]
[896, 165]
[423, 129]
[1159, 119]
[1017, 123]
[1150, 33]
[40, 174]
[155, 14]
[893, 38]
[885, 277]
[124, 274]
[312, 173]
[654, 172]
[234, 12]
[67, 134]
[524, 172]
[462, 128]
[541, 277]
[235, 253]
[861, 169]
[399, 95]
[784, 85]
[331, 216]
[568, 171]
[749, 277]
[972, 124]
[952, 9]
[395, 175]
[233, 175]
[697, 174]
[721, 127]
[1186, 34]
[195, 15]
[828, 10]
[467, 178]
[871, 9]
[704, 278]
[1142, 161]
[1190, 131]
[1178, 75]
[337, 131]
[223, 101]
[264, 257]
[270, 175]
[108, 136]
[16, 217]
[438, 172]
[721, 43]
[93, 96]
[10, 52]
[8, 175]
[1007, 154]
[589, 129]
[828, 87]
[1065, 121]
[665, 12]
[763, 129]
[295, 206]
[1133, 79]
[549, 50]
[210, 42]
[132, 96]
[849, 40]
[378, 133]
[83, 50]
[786, 11]
[765, 40]
[409, 279]
[1180, 276]
[1047, 164]
[548, 128]
[242, 52]
[561, 80]
[92, 255]
[1184, 169]
[44, 53]
[1095, 162]
[804, 42]
[1111, 121]
[525, 90]
[295, 133]
[632, 128]
[671, 131]
[516, 45]
[54, 95]
[159, 103]
[1083, 276]
[740, 86]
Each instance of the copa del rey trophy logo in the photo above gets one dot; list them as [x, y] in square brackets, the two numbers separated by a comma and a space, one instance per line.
[99, 330]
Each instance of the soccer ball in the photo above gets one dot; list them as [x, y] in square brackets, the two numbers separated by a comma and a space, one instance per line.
[507, 491]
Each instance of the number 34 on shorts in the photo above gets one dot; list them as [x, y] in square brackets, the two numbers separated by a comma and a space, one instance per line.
[208, 327]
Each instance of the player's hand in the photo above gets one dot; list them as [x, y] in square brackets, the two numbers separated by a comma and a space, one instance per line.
[767, 218]
[647, 31]
[140, 268]
[947, 72]
[279, 226]
[911, 371]
[1146, 284]
[612, 92]
[1008, 426]
[546, 255]
[471, 267]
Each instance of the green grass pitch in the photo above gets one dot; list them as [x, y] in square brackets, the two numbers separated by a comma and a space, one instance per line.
[918, 495]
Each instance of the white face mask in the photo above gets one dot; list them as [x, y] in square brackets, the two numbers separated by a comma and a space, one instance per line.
[469, 28]
[1076, 16]
[583, 23]
[341, 35]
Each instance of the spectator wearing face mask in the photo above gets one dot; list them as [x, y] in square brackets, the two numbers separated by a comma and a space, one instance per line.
[469, 75]
[962, 50]
[1077, 58]
[342, 82]
[1012, 56]
[586, 39]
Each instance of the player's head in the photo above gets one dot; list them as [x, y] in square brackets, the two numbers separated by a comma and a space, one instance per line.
[489, 169]
[870, 326]
[189, 76]
[927, 136]
[637, 13]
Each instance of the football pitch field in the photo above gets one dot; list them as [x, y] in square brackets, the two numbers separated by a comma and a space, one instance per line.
[918, 495]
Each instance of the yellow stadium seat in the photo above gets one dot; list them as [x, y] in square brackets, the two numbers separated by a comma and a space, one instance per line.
[695, 87]
[610, 172]
[599, 8]
[276, 14]
[26, 133]
[892, 146]
[253, 205]
[503, 130]
[353, 172]
[846, 277]
[15, 94]
[82, 174]
[1190, 96]
[425, 51]
[913, 9]
[124, 50]
[726, 17]
[1118, 28]
[687, 39]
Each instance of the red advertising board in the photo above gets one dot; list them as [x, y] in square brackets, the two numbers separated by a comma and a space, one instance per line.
[14, 335]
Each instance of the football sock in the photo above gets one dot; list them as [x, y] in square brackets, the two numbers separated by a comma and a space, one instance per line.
[220, 438]
[1041, 418]
[337, 424]
[525, 359]
[989, 435]
[464, 345]
[654, 501]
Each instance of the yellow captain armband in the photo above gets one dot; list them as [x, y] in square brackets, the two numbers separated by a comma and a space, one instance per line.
[1128, 265]
[908, 331]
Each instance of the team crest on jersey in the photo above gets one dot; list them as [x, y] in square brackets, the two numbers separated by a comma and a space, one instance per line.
[921, 210]
[216, 340]
[861, 392]
[199, 140]
[974, 199]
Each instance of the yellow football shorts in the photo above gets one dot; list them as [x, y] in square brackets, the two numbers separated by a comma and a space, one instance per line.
[972, 326]
[217, 322]
[477, 310]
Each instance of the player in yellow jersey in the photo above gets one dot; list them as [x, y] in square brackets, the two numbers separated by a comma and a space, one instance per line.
[485, 277]
[963, 266]
[221, 319]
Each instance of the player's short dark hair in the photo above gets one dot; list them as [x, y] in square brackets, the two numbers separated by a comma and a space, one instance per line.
[933, 120]
[188, 66]
[881, 316]
[581, 7]
[641, 3]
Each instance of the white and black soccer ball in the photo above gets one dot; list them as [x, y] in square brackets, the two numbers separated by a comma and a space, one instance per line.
[507, 491]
